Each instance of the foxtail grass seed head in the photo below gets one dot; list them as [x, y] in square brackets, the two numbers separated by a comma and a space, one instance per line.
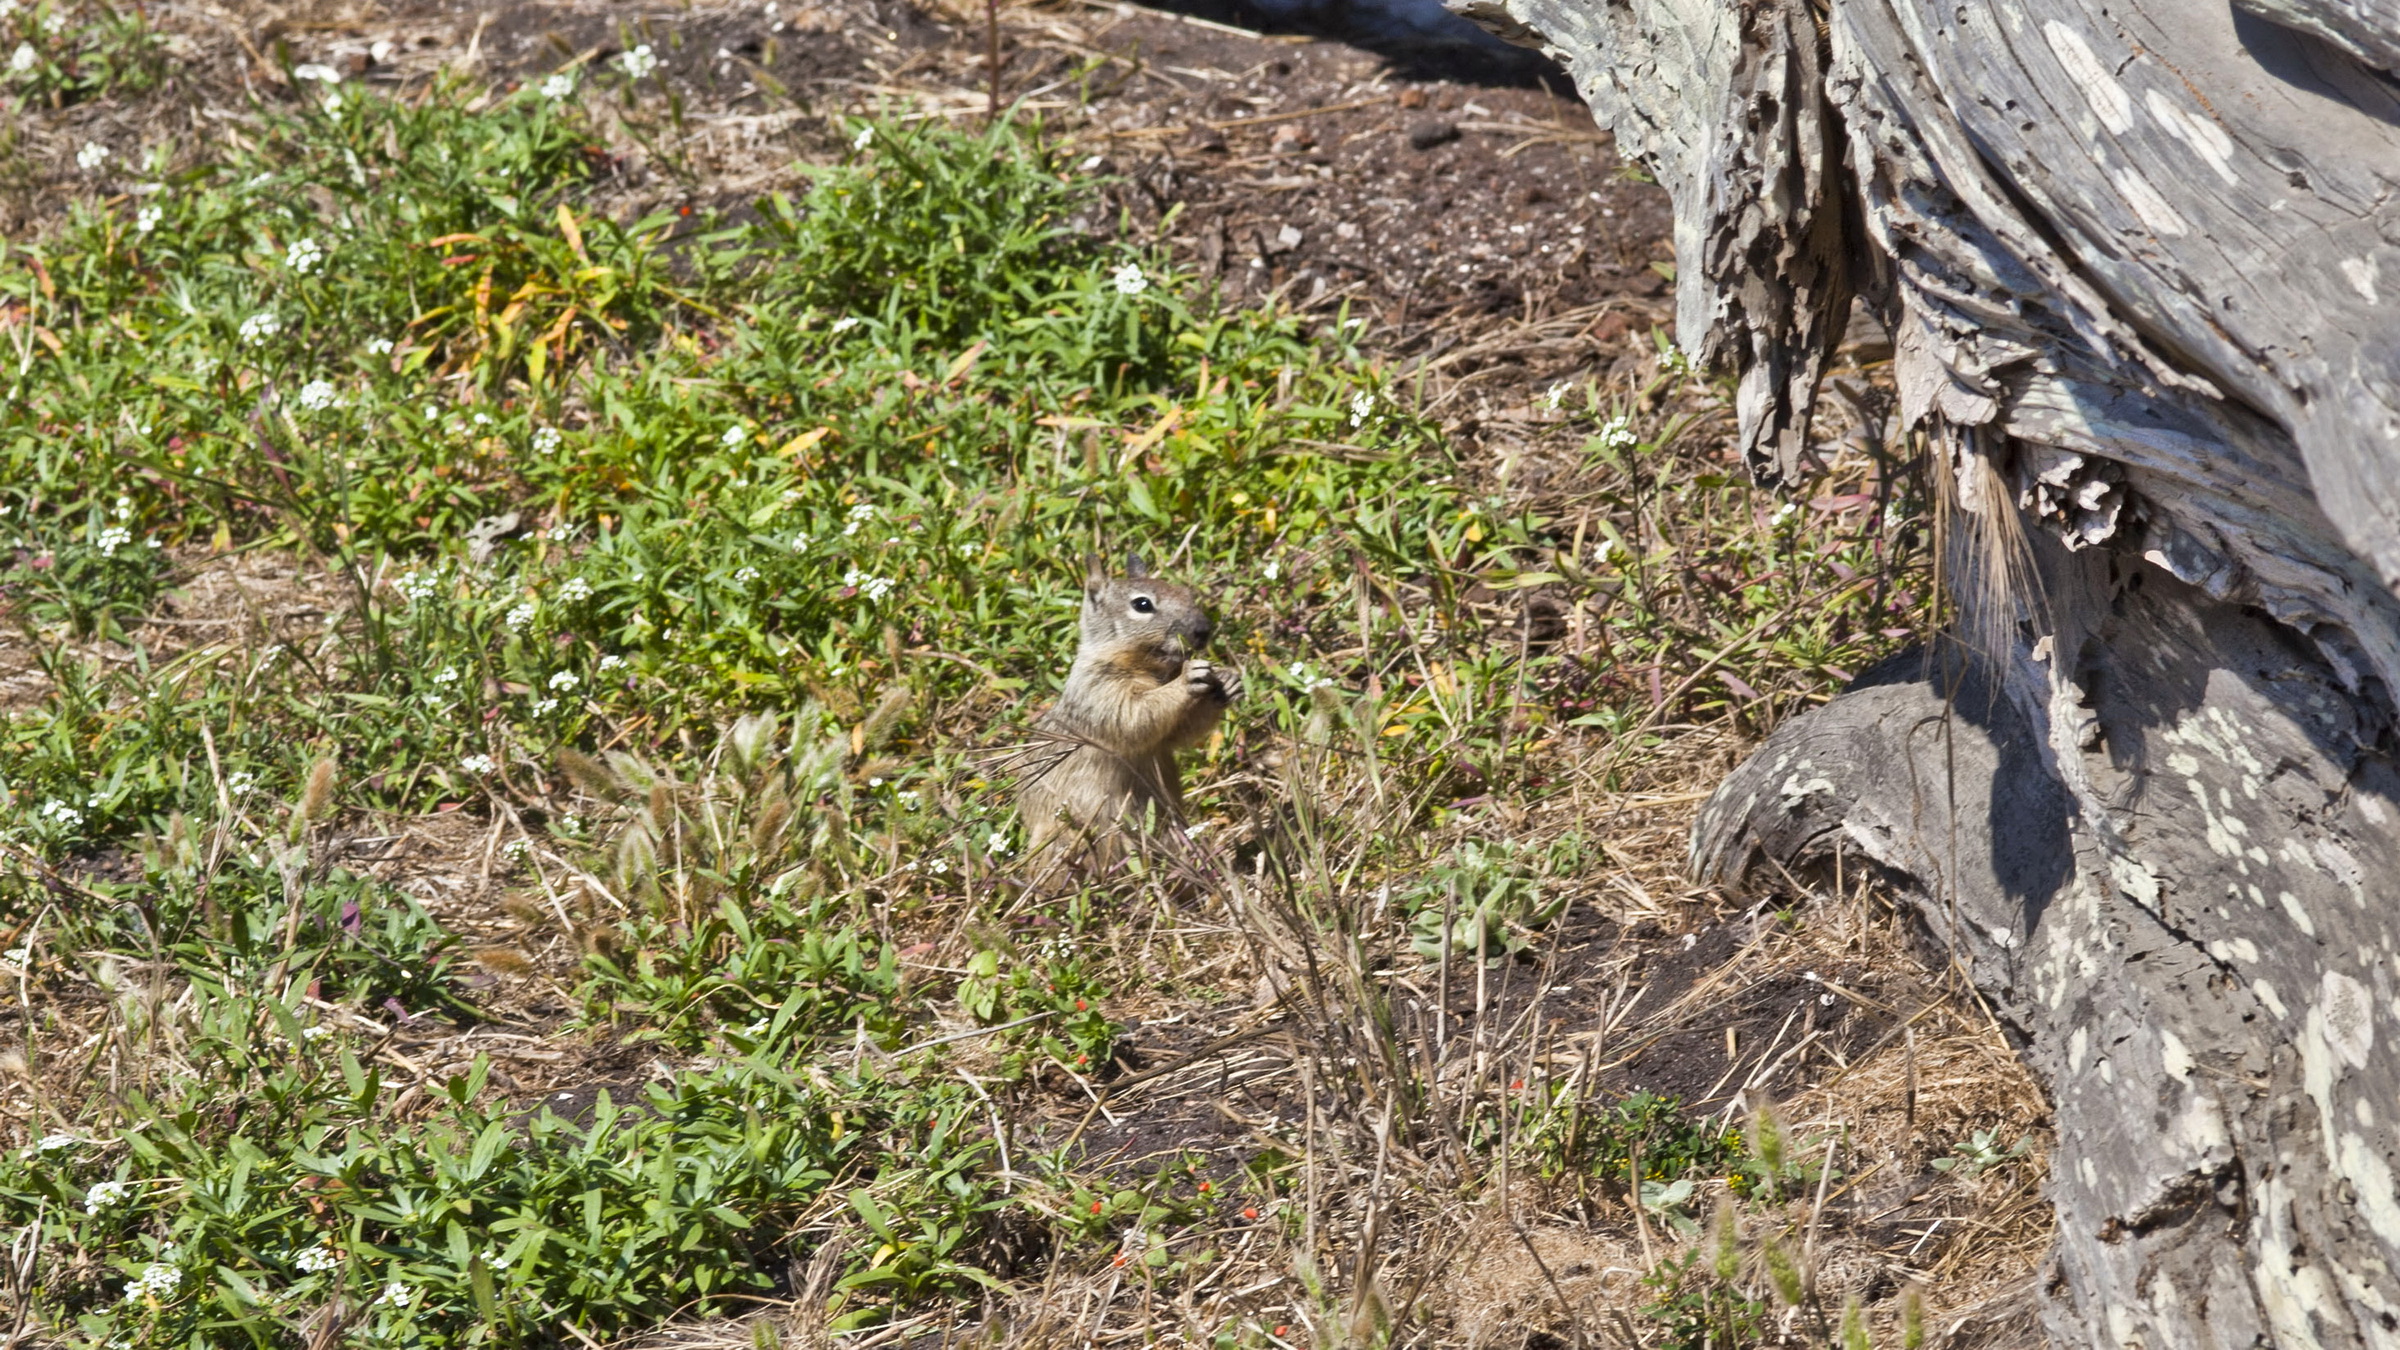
[319, 794]
[1783, 1274]
[1854, 1326]
[1912, 1318]
[1726, 1253]
[1767, 1139]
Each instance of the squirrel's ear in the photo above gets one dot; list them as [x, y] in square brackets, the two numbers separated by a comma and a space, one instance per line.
[1135, 567]
[1095, 571]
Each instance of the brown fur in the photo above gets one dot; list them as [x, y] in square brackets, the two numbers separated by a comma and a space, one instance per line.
[1137, 693]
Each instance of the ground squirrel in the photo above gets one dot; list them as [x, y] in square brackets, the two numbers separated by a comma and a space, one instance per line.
[1138, 692]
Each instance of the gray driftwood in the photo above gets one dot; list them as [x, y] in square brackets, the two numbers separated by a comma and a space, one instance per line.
[2141, 264]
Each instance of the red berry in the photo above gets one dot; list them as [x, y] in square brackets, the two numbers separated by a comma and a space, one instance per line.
[1204, 1188]
[1517, 1085]
[1283, 1331]
[1080, 1005]
[1095, 1206]
[1250, 1212]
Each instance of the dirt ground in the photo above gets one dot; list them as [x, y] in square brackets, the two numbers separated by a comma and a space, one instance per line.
[1493, 246]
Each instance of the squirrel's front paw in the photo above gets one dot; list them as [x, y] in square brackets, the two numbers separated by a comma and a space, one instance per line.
[1206, 681]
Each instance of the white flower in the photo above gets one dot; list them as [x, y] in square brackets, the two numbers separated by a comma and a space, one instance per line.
[519, 616]
[240, 783]
[55, 21]
[845, 323]
[260, 326]
[1616, 434]
[1784, 513]
[445, 676]
[873, 587]
[397, 1294]
[1129, 280]
[735, 436]
[333, 103]
[639, 62]
[478, 764]
[559, 534]
[418, 587]
[316, 1031]
[316, 1259]
[558, 86]
[91, 156]
[146, 219]
[543, 707]
[611, 662]
[1557, 392]
[61, 814]
[1308, 680]
[103, 1194]
[317, 395]
[997, 845]
[1362, 404]
[380, 347]
[157, 1280]
[800, 542]
[305, 255]
[483, 419]
[52, 1143]
[545, 441]
[108, 541]
[1273, 569]
[320, 73]
[24, 57]
[517, 850]
[575, 589]
[865, 136]
[746, 576]
[564, 679]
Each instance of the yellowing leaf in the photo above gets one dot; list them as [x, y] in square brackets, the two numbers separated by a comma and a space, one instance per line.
[573, 232]
[803, 441]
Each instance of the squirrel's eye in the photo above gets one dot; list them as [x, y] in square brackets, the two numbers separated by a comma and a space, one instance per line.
[1142, 605]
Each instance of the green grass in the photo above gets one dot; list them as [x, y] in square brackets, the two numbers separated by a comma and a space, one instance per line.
[764, 502]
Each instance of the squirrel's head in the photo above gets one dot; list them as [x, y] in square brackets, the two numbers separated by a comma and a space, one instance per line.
[1138, 605]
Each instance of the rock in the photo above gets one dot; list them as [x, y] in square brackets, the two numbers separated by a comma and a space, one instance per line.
[1431, 132]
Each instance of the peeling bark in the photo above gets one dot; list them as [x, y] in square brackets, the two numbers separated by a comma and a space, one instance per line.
[2141, 264]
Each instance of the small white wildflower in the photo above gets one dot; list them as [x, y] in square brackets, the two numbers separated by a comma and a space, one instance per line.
[1273, 569]
[146, 219]
[940, 867]
[379, 347]
[260, 326]
[800, 542]
[996, 845]
[639, 62]
[1616, 434]
[544, 707]
[564, 679]
[1557, 393]
[1362, 404]
[52, 1143]
[333, 103]
[746, 576]
[519, 616]
[305, 255]
[572, 825]
[321, 73]
[576, 589]
[397, 1294]
[546, 441]
[483, 419]
[317, 395]
[845, 323]
[478, 764]
[734, 437]
[611, 662]
[866, 135]
[157, 1280]
[108, 541]
[558, 86]
[315, 1032]
[516, 850]
[91, 156]
[103, 1194]
[24, 58]
[758, 1028]
[1129, 280]
[61, 814]
[316, 1260]
[560, 533]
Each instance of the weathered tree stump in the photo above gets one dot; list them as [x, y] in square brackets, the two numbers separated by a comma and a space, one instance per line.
[2136, 260]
